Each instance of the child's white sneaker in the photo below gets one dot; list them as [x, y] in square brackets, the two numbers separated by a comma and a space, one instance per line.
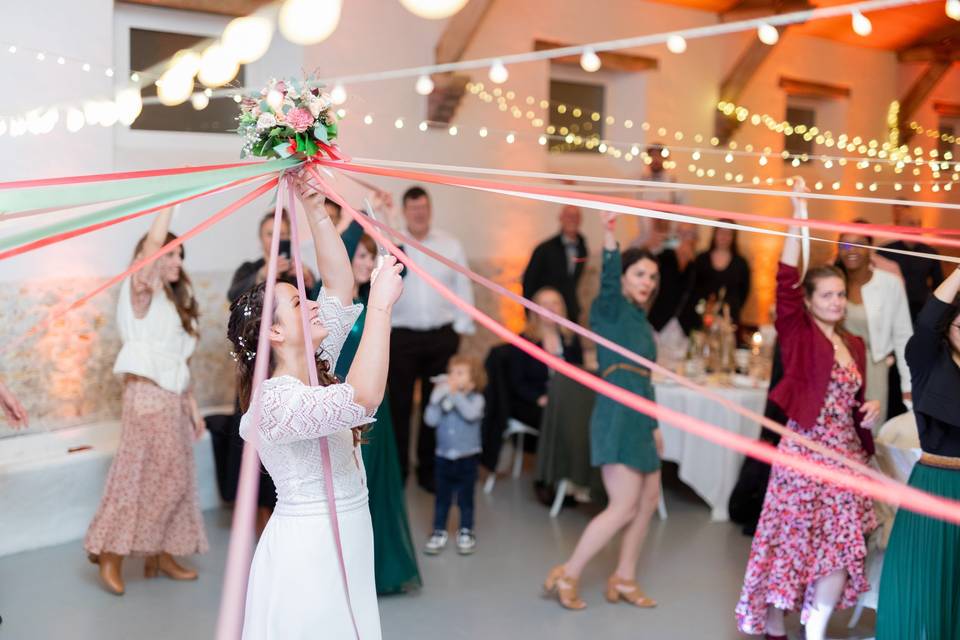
[436, 543]
[466, 542]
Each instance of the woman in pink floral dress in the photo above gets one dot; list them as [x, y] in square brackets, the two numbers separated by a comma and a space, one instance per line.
[809, 549]
[150, 505]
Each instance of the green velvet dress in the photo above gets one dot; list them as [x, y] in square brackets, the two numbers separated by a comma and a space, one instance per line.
[619, 434]
[395, 559]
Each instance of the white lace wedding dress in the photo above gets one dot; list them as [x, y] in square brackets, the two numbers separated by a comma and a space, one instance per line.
[295, 589]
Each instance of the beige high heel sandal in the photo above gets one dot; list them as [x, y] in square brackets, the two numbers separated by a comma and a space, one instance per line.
[628, 591]
[564, 587]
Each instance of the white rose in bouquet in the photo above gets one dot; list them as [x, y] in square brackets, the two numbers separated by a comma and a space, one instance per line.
[266, 121]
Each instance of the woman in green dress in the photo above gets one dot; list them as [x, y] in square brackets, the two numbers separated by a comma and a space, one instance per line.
[625, 444]
[395, 559]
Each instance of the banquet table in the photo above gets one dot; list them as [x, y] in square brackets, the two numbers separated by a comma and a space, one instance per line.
[707, 468]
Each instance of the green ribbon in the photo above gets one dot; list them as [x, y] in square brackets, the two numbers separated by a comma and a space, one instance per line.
[74, 195]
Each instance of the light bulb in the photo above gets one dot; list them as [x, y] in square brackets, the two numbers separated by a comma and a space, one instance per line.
[217, 66]
[590, 61]
[186, 61]
[953, 9]
[483, 132]
[422, 126]
[129, 105]
[247, 38]
[274, 99]
[109, 113]
[763, 161]
[75, 120]
[368, 119]
[433, 9]
[453, 130]
[199, 101]
[676, 44]
[498, 72]
[511, 138]
[309, 21]
[338, 95]
[424, 85]
[861, 24]
[398, 123]
[768, 34]
[173, 88]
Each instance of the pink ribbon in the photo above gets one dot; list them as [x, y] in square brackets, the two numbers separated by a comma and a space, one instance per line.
[124, 175]
[908, 234]
[309, 353]
[906, 497]
[240, 551]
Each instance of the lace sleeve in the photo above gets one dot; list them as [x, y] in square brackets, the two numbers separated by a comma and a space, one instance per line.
[292, 411]
[338, 320]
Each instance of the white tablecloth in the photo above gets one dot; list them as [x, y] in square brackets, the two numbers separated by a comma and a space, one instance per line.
[707, 468]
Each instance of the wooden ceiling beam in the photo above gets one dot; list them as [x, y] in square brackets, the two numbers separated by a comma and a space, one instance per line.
[222, 7]
[449, 88]
[918, 93]
[813, 90]
[611, 60]
[747, 9]
[736, 82]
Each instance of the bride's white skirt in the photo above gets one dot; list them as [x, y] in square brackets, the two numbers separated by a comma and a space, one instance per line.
[295, 590]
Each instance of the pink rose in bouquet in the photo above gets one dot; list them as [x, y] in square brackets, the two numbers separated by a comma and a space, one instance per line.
[300, 119]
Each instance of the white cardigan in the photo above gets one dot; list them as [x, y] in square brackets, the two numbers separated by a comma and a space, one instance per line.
[888, 320]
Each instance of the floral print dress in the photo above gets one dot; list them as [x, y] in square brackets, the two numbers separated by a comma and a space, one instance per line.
[809, 529]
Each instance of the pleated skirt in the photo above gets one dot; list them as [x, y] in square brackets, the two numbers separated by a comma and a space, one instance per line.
[920, 584]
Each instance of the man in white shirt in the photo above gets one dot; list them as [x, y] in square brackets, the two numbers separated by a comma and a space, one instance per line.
[656, 235]
[426, 330]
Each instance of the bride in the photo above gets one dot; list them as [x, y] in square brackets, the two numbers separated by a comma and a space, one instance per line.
[296, 589]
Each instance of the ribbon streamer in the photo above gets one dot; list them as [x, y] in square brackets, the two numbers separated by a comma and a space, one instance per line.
[18, 199]
[240, 550]
[36, 238]
[373, 162]
[315, 381]
[141, 263]
[681, 213]
[917, 501]
[774, 426]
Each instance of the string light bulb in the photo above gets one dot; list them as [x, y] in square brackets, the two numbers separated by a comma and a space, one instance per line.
[498, 73]
[338, 95]
[199, 101]
[953, 9]
[247, 38]
[590, 61]
[433, 9]
[861, 24]
[217, 66]
[676, 44]
[769, 34]
[309, 21]
[75, 120]
[424, 85]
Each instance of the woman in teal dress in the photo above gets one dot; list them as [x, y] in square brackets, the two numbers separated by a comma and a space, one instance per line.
[625, 444]
[395, 560]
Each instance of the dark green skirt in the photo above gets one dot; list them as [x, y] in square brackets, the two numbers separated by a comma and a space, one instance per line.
[920, 586]
[394, 556]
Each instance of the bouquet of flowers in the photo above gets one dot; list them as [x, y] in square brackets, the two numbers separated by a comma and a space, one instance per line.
[289, 117]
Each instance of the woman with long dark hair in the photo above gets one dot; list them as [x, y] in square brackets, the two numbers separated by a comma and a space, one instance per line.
[919, 590]
[150, 506]
[720, 273]
[810, 545]
[625, 444]
[295, 588]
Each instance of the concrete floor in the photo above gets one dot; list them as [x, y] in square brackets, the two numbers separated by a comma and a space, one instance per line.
[691, 566]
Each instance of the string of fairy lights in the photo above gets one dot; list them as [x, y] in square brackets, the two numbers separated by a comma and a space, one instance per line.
[618, 149]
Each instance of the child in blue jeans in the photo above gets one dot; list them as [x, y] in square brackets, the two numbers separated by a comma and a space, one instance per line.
[456, 411]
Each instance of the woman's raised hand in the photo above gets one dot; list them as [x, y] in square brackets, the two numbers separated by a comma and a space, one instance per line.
[386, 285]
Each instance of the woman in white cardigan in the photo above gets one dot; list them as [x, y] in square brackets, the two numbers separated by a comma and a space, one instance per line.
[878, 312]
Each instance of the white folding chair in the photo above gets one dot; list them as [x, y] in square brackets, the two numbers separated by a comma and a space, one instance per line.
[518, 429]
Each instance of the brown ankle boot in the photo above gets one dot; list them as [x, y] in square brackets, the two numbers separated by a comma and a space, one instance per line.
[165, 564]
[111, 571]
